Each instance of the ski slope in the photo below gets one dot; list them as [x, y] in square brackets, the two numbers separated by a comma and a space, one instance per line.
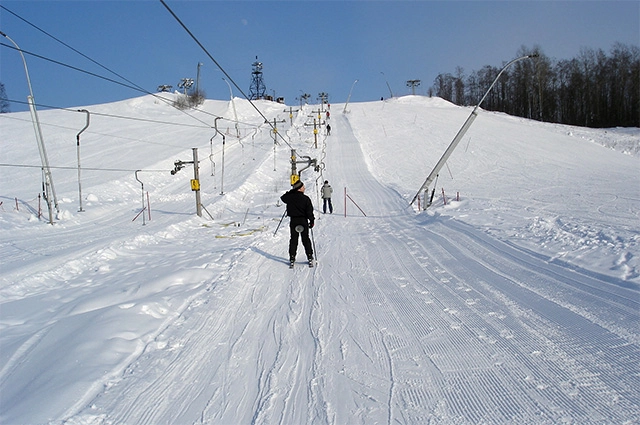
[506, 306]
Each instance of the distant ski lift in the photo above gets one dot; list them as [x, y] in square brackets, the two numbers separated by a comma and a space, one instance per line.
[165, 88]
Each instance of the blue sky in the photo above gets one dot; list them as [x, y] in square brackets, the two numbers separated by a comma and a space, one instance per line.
[305, 46]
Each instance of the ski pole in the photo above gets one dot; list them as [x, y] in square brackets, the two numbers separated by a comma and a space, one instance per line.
[313, 241]
[283, 214]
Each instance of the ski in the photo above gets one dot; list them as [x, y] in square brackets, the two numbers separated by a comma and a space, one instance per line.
[311, 263]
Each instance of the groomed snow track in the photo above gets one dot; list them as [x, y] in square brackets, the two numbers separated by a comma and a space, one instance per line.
[451, 327]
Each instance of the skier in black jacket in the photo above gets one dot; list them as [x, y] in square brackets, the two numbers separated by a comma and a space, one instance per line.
[300, 209]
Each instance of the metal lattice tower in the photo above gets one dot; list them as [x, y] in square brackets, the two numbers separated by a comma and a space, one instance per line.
[257, 89]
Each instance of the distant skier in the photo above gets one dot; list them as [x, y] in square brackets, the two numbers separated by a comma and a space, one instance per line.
[300, 209]
[327, 190]
[328, 130]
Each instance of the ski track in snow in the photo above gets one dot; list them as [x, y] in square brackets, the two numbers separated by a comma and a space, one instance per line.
[451, 326]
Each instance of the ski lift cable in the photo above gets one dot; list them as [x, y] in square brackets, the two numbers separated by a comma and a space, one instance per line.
[103, 78]
[206, 125]
[83, 168]
[93, 74]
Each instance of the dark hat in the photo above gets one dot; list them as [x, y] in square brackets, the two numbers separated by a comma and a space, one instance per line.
[297, 185]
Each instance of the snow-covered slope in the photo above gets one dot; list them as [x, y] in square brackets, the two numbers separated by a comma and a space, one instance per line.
[516, 303]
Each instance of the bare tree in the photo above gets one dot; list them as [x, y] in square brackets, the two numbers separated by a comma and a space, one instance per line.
[4, 103]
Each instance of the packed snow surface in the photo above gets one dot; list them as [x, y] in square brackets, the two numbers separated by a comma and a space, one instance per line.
[513, 298]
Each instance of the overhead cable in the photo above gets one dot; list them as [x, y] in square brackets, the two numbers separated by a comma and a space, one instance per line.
[83, 168]
[102, 77]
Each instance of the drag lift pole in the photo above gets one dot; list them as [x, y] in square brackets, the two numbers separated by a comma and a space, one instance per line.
[462, 132]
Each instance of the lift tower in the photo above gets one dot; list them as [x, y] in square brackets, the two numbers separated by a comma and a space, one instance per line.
[257, 89]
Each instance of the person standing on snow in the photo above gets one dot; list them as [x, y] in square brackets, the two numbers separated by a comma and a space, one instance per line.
[300, 209]
[327, 190]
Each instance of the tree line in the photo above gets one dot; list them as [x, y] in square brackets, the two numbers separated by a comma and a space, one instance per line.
[594, 89]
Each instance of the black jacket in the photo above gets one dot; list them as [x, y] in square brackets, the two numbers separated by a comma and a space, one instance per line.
[298, 205]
